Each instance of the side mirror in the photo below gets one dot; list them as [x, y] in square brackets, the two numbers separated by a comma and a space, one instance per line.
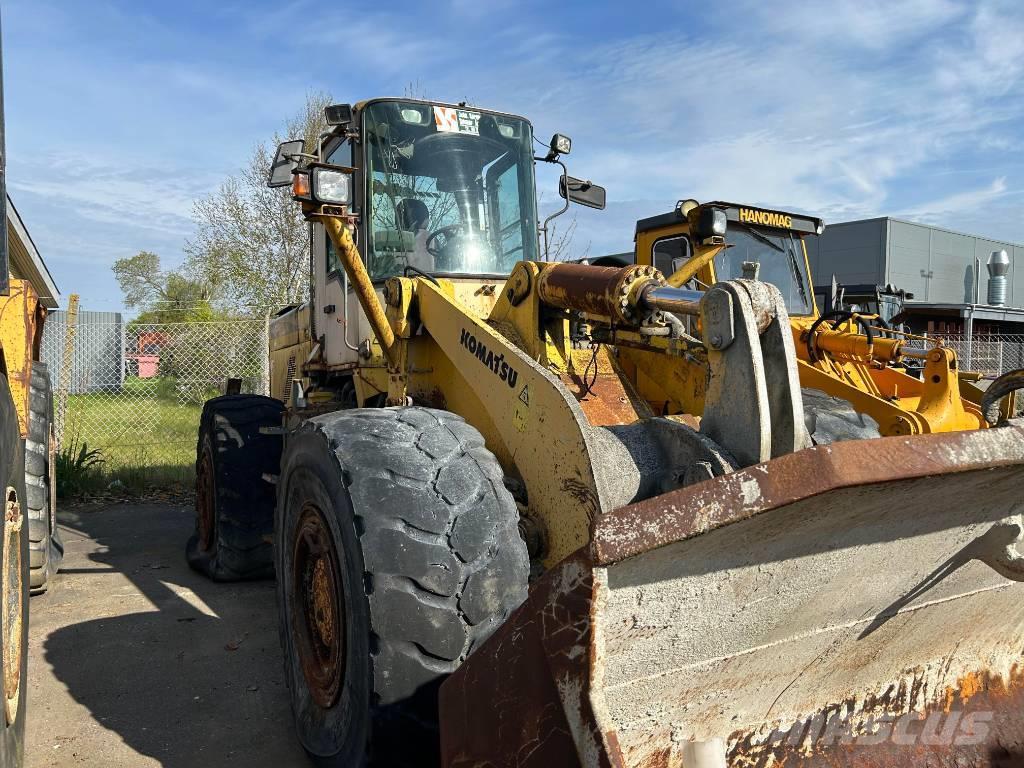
[285, 161]
[583, 192]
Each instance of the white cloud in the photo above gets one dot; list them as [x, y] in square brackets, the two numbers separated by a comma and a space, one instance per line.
[934, 211]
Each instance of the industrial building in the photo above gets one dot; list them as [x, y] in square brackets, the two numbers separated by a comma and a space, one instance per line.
[956, 279]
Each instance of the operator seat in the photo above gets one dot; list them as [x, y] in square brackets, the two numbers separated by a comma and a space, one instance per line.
[414, 217]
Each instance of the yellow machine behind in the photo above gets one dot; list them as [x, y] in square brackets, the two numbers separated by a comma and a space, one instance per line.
[852, 356]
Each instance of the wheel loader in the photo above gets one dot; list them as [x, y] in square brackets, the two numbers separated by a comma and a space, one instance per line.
[493, 548]
[852, 364]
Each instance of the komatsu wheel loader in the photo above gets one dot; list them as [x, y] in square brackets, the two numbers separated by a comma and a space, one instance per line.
[844, 356]
[491, 547]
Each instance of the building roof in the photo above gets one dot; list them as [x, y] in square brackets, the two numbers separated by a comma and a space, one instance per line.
[927, 226]
[980, 311]
[26, 263]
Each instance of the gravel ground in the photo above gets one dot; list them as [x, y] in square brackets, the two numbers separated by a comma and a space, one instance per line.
[136, 661]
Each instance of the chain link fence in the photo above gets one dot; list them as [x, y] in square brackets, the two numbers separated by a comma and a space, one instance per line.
[990, 355]
[135, 392]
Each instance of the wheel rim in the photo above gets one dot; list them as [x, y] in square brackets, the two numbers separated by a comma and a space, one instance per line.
[317, 617]
[205, 503]
[13, 596]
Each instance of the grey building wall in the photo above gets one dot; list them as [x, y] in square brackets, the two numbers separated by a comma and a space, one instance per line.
[853, 251]
[98, 361]
[936, 265]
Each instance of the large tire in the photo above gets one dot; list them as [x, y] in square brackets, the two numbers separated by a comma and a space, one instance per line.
[46, 550]
[832, 420]
[14, 585]
[398, 553]
[236, 463]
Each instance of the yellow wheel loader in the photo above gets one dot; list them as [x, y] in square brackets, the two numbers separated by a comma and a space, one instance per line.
[492, 548]
[843, 356]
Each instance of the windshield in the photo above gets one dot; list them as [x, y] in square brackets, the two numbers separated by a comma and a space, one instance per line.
[451, 190]
[781, 256]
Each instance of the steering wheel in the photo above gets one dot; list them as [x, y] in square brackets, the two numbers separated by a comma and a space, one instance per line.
[432, 246]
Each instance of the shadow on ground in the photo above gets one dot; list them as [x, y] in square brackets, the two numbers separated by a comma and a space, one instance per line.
[175, 670]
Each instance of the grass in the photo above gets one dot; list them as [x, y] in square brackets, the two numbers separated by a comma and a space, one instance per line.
[146, 437]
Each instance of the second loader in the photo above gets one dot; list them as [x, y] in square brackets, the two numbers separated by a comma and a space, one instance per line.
[493, 549]
[843, 354]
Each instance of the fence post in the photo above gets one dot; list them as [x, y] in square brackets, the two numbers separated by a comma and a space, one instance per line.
[66, 365]
[265, 383]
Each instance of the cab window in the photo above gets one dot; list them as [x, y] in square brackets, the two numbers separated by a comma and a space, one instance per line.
[670, 254]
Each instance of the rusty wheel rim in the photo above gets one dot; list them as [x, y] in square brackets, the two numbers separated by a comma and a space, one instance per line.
[13, 597]
[317, 617]
[205, 504]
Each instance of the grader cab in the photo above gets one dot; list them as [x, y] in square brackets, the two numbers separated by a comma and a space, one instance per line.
[527, 513]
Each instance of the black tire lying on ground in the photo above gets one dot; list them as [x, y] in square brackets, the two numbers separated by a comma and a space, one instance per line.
[398, 553]
[46, 550]
[14, 585]
[234, 500]
[832, 420]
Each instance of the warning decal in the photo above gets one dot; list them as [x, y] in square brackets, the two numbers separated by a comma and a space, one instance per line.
[524, 396]
[453, 120]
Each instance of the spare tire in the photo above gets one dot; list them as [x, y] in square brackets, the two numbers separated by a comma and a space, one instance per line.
[46, 550]
[238, 456]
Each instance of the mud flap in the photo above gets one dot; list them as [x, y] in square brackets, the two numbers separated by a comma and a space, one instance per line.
[848, 604]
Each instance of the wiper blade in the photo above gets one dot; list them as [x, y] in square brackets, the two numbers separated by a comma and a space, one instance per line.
[764, 239]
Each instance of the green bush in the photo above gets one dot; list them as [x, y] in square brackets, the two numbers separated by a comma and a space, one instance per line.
[79, 469]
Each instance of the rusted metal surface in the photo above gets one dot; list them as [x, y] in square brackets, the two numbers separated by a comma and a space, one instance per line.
[600, 390]
[205, 498]
[523, 700]
[605, 291]
[978, 721]
[319, 627]
[697, 509]
[12, 595]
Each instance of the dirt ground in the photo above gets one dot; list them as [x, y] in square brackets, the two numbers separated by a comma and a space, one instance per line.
[136, 661]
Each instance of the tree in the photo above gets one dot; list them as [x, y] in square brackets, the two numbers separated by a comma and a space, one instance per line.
[250, 240]
[163, 296]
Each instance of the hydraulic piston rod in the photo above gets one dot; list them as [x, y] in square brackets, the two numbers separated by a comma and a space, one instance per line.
[680, 301]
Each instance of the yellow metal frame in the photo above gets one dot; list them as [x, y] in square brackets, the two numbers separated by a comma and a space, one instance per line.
[21, 323]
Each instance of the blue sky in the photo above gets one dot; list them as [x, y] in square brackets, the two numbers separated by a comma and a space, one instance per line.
[119, 114]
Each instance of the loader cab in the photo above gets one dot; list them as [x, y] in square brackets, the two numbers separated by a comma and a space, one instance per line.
[698, 245]
[444, 190]
[447, 190]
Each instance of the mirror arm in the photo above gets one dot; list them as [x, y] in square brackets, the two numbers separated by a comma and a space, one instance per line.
[556, 214]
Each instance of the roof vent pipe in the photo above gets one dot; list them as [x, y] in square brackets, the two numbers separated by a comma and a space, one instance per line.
[998, 266]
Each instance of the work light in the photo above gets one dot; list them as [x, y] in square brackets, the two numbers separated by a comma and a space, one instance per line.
[332, 186]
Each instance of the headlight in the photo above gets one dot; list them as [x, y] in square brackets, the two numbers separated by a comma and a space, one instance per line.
[711, 222]
[719, 221]
[330, 186]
